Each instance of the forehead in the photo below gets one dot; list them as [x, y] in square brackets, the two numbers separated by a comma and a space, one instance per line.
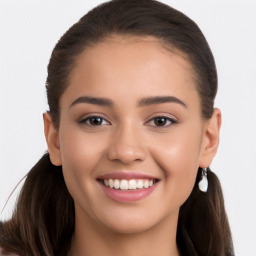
[131, 66]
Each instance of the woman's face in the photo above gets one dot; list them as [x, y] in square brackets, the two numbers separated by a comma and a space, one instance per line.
[130, 115]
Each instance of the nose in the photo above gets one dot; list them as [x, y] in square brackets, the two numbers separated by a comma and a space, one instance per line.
[126, 147]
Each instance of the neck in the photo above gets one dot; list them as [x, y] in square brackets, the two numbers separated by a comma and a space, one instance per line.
[157, 240]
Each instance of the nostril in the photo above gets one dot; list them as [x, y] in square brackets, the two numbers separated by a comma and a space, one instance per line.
[126, 154]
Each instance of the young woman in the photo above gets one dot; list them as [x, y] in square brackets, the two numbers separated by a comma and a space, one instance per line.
[131, 133]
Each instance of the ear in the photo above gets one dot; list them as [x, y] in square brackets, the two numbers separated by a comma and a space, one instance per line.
[52, 139]
[210, 140]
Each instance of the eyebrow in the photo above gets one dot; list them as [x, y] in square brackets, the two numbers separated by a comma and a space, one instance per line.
[93, 100]
[141, 103]
[160, 99]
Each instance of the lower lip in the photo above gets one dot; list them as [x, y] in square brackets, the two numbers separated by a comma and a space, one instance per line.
[127, 195]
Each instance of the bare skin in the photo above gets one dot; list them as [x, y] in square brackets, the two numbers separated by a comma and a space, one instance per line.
[129, 138]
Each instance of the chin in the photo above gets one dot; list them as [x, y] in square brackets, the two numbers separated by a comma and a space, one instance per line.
[130, 226]
[131, 221]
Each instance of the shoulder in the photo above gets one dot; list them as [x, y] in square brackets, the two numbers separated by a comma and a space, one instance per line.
[4, 252]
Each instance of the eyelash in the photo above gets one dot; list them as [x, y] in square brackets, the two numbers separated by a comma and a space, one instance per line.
[168, 119]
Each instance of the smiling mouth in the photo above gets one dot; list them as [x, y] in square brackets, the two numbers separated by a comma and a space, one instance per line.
[126, 185]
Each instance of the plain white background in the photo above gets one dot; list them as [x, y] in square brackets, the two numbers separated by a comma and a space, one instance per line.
[30, 29]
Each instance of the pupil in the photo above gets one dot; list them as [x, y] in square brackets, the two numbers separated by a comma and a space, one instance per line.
[160, 121]
[95, 120]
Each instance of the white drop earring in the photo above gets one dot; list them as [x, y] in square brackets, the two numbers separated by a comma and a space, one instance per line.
[203, 183]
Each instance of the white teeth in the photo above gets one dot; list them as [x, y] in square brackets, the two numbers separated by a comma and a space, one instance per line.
[124, 184]
[146, 184]
[116, 184]
[129, 184]
[110, 183]
[132, 184]
[140, 184]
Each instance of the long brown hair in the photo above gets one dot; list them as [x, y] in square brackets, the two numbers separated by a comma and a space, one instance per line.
[43, 220]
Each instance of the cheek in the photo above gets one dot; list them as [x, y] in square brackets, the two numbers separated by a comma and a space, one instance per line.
[178, 157]
[80, 157]
[79, 149]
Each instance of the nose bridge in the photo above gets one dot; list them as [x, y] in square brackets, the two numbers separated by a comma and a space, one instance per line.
[127, 143]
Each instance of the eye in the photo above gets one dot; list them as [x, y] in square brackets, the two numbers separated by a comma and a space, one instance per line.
[94, 121]
[162, 121]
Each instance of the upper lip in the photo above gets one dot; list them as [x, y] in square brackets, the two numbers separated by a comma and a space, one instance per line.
[125, 175]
